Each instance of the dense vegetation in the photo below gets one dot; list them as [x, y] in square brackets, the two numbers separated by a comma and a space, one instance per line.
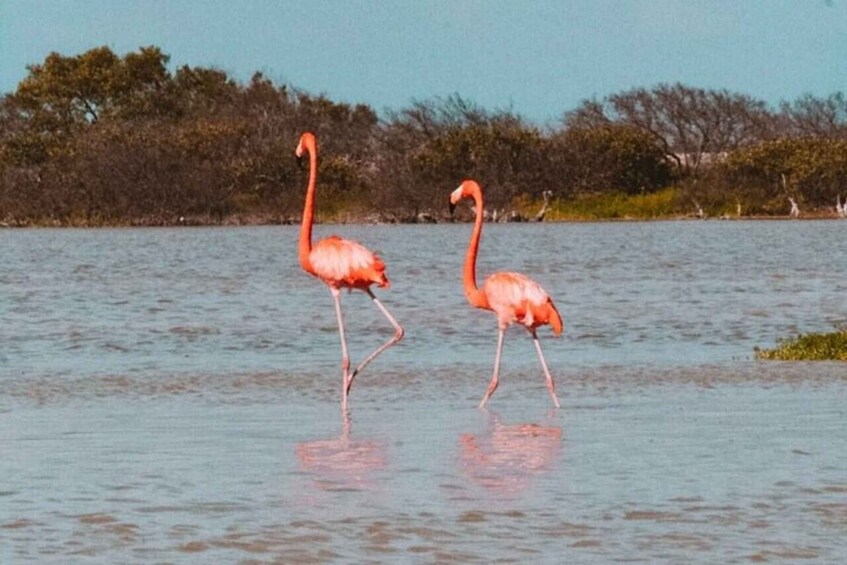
[809, 347]
[98, 139]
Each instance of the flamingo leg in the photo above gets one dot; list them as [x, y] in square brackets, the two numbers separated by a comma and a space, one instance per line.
[550, 386]
[398, 335]
[345, 357]
[495, 379]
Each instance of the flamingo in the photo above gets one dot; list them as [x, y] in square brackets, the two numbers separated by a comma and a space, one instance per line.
[513, 297]
[340, 263]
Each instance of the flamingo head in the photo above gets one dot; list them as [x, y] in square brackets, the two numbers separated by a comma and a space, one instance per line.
[308, 142]
[467, 189]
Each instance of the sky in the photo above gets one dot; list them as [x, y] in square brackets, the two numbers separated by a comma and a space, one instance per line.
[536, 58]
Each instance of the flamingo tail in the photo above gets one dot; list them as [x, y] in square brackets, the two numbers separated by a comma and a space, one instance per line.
[555, 319]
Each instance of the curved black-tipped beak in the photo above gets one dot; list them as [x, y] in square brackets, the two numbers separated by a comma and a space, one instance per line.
[452, 208]
[301, 161]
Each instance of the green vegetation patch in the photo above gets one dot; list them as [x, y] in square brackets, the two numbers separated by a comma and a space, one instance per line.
[809, 347]
[660, 204]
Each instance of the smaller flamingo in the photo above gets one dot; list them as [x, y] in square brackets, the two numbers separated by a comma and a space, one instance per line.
[513, 297]
[340, 263]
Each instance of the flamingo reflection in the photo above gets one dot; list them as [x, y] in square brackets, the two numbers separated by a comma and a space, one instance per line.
[507, 457]
[342, 463]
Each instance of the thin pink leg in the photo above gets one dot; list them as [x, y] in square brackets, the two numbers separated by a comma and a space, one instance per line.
[550, 386]
[398, 335]
[495, 379]
[345, 357]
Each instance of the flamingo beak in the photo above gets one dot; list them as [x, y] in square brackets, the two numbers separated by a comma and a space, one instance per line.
[455, 196]
[298, 153]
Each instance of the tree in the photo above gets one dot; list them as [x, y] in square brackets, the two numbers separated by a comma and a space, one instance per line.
[609, 158]
[70, 91]
[811, 170]
[64, 95]
[692, 125]
[435, 144]
[817, 117]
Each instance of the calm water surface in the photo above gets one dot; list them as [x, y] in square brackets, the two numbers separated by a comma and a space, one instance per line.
[172, 396]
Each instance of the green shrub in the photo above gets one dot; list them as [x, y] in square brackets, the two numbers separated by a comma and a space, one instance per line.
[813, 170]
[615, 205]
[809, 347]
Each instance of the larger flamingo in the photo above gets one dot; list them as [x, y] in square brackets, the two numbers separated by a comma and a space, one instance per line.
[340, 263]
[513, 297]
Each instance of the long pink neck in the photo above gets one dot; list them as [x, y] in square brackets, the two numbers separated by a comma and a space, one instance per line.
[472, 292]
[309, 208]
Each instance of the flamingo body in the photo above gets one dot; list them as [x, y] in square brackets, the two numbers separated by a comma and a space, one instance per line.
[513, 297]
[342, 263]
[516, 298]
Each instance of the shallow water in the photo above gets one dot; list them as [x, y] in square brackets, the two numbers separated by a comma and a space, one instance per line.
[172, 395]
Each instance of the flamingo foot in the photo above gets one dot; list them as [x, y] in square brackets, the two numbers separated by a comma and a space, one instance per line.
[552, 389]
[488, 392]
[555, 398]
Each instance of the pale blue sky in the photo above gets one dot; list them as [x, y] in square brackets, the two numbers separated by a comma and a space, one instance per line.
[538, 58]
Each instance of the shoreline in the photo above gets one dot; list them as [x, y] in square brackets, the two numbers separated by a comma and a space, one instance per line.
[236, 221]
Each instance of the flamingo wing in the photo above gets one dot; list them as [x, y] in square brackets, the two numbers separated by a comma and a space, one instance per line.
[345, 263]
[517, 298]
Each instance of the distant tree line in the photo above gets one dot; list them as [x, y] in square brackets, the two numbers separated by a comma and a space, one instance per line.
[98, 139]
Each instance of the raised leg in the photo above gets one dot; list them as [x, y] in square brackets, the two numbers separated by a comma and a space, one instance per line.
[398, 335]
[495, 379]
[550, 386]
[345, 357]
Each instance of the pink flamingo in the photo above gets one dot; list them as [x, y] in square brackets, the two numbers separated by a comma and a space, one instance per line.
[513, 297]
[340, 263]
